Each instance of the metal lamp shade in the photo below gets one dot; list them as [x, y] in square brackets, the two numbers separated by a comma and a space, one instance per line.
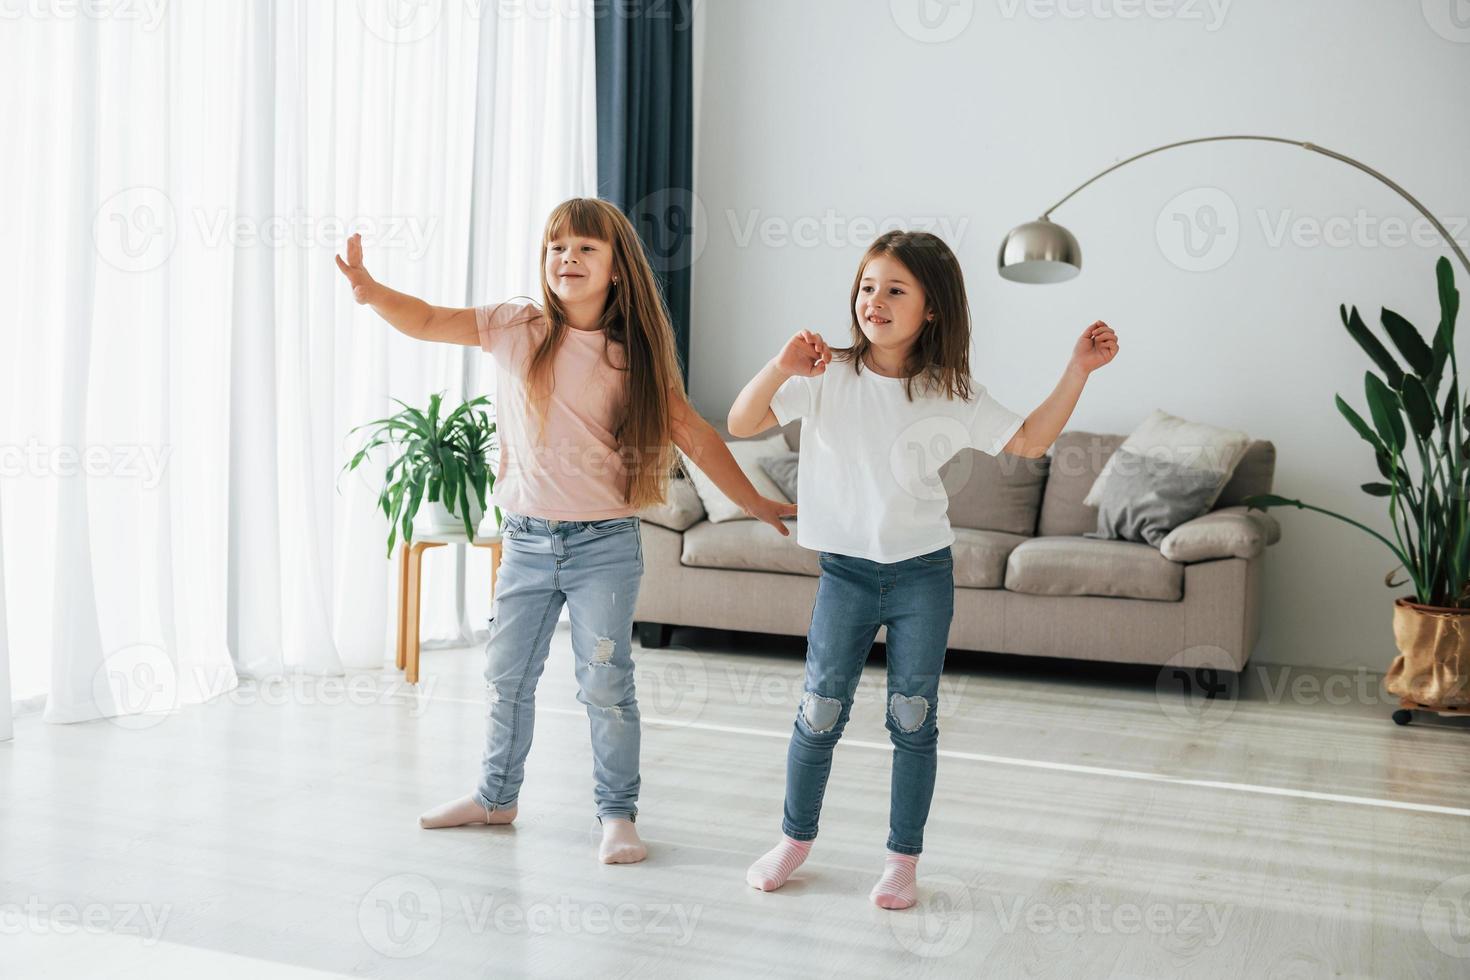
[1040, 252]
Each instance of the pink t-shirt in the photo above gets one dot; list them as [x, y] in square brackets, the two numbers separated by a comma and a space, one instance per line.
[571, 470]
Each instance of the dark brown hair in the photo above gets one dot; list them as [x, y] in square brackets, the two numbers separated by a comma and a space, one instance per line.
[635, 317]
[940, 356]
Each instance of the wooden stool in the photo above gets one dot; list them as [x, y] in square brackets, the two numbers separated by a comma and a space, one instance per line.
[410, 577]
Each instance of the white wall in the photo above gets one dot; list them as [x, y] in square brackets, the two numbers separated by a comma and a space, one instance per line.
[821, 118]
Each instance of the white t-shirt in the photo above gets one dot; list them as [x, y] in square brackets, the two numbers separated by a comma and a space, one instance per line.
[868, 478]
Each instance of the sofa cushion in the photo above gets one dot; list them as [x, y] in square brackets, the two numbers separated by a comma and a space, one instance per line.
[1076, 460]
[747, 453]
[749, 546]
[1254, 475]
[781, 468]
[1073, 565]
[1230, 532]
[680, 509]
[1078, 457]
[980, 557]
[994, 493]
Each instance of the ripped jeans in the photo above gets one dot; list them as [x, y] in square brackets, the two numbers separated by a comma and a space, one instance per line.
[915, 600]
[595, 568]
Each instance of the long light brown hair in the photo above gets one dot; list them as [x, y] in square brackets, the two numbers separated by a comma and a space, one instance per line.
[636, 318]
[940, 356]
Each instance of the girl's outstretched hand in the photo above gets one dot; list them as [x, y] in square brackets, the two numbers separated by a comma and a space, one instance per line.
[1097, 346]
[805, 355]
[362, 283]
[771, 511]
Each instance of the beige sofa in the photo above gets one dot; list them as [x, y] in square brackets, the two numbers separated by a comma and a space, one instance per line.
[1026, 581]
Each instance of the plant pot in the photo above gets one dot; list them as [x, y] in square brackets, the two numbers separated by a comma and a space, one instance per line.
[1433, 665]
[434, 518]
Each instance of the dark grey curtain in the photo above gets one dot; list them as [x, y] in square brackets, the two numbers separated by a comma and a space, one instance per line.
[645, 136]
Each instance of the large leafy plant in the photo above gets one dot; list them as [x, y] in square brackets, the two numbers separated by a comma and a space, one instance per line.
[437, 459]
[1428, 512]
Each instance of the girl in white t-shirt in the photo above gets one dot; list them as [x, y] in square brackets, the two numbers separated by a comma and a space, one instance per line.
[878, 425]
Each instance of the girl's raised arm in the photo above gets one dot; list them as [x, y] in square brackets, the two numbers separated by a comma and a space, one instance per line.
[805, 354]
[408, 314]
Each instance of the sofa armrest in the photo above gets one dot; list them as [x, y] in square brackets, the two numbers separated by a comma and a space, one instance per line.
[681, 509]
[1230, 532]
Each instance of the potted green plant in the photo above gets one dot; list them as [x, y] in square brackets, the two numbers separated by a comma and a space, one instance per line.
[1428, 511]
[440, 463]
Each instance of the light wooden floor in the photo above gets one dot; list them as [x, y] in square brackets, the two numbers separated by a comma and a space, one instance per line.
[1084, 827]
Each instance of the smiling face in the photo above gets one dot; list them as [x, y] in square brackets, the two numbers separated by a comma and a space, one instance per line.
[578, 269]
[890, 306]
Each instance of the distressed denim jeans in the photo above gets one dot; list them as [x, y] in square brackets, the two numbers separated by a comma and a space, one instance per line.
[915, 600]
[594, 568]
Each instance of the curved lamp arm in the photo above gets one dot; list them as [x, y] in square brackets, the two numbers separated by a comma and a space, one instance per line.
[1277, 139]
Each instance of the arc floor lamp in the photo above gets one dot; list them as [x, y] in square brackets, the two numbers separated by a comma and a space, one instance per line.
[1042, 251]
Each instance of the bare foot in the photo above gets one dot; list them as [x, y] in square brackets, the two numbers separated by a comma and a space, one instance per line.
[620, 842]
[464, 812]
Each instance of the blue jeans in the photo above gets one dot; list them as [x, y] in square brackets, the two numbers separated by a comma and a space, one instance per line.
[595, 568]
[915, 600]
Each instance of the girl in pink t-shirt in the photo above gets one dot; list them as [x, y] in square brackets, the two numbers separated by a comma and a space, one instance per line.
[590, 406]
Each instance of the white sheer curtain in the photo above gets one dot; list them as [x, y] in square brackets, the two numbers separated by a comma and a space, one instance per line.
[184, 360]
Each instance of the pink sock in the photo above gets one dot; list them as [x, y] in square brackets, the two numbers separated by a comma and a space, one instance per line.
[776, 865]
[896, 889]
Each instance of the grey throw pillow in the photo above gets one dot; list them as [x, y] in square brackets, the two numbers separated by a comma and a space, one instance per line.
[781, 469]
[1146, 498]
